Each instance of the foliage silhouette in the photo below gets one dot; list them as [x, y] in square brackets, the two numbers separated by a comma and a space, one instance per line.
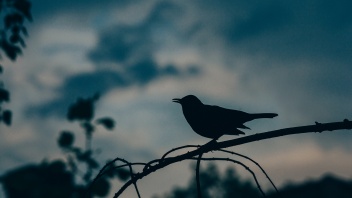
[12, 32]
[229, 184]
[70, 177]
[48, 179]
[328, 186]
[5, 114]
[215, 184]
[14, 13]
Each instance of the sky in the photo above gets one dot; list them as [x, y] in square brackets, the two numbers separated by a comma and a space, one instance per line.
[287, 57]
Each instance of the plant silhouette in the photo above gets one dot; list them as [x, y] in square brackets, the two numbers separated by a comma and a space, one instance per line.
[5, 114]
[229, 184]
[14, 14]
[213, 121]
[216, 184]
[61, 178]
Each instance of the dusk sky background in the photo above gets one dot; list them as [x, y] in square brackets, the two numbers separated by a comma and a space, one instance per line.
[293, 58]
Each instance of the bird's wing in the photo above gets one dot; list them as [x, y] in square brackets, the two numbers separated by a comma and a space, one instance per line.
[228, 115]
[220, 111]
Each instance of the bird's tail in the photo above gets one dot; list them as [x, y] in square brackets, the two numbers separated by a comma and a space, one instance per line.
[235, 132]
[264, 115]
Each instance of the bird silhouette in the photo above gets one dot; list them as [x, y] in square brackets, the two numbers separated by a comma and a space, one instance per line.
[214, 121]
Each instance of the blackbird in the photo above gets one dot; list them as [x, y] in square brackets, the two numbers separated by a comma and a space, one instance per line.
[214, 121]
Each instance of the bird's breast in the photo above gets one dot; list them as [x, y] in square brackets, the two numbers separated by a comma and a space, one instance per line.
[195, 117]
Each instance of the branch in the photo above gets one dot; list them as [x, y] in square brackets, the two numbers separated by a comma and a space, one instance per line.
[178, 148]
[147, 165]
[101, 173]
[318, 127]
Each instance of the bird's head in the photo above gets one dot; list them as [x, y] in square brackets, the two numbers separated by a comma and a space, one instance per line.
[188, 100]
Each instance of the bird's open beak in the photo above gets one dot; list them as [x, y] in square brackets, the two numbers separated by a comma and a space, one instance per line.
[177, 100]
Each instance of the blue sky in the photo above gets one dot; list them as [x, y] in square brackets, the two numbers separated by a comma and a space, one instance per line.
[292, 58]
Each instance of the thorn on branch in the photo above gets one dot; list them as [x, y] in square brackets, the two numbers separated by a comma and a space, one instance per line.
[319, 127]
[347, 123]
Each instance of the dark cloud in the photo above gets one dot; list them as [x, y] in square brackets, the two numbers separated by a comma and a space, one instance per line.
[292, 30]
[135, 41]
[286, 35]
[121, 43]
[163, 12]
[144, 71]
[263, 19]
[79, 85]
[103, 81]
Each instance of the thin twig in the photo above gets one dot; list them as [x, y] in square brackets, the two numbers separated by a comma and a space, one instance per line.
[107, 165]
[168, 152]
[178, 148]
[256, 163]
[226, 151]
[199, 191]
[132, 164]
[134, 180]
[102, 170]
[114, 168]
[223, 150]
[236, 162]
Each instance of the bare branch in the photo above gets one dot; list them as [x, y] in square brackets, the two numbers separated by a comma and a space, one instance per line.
[170, 151]
[102, 171]
[332, 126]
[256, 163]
[178, 148]
[213, 145]
[236, 162]
[133, 180]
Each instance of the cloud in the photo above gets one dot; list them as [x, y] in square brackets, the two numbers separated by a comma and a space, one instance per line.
[79, 85]
[124, 42]
[120, 43]
[103, 81]
[42, 8]
[289, 30]
[261, 20]
[123, 57]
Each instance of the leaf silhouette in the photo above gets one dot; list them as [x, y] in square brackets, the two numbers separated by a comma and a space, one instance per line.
[107, 122]
[7, 117]
[4, 95]
[66, 139]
